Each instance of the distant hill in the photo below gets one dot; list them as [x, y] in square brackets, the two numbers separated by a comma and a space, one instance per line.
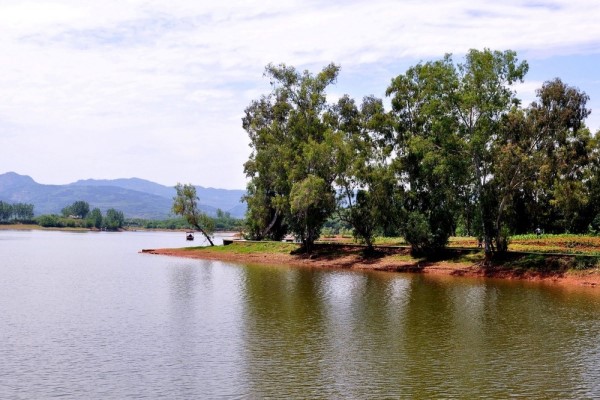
[137, 198]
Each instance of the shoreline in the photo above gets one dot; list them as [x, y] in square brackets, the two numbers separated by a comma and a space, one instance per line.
[396, 262]
[35, 227]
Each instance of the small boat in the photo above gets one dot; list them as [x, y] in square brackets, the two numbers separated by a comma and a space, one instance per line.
[189, 236]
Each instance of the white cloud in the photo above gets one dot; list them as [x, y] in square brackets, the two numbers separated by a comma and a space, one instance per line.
[164, 84]
[526, 91]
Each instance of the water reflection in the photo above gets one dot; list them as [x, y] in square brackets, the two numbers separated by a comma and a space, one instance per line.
[347, 335]
[86, 316]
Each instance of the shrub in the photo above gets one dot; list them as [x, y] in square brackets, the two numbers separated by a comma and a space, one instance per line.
[583, 263]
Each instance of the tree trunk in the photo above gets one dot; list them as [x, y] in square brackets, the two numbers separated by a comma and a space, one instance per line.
[268, 228]
[487, 238]
[205, 235]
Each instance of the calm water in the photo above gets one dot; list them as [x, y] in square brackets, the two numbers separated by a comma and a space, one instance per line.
[83, 315]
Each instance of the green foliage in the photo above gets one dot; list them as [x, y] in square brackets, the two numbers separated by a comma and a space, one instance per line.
[185, 204]
[225, 222]
[585, 262]
[6, 211]
[417, 232]
[425, 234]
[113, 220]
[16, 212]
[293, 148]
[531, 261]
[95, 218]
[79, 209]
[49, 221]
[311, 203]
[263, 247]
[594, 226]
[367, 188]
[457, 153]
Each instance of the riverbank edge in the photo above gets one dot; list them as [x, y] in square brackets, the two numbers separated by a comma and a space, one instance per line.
[35, 227]
[399, 261]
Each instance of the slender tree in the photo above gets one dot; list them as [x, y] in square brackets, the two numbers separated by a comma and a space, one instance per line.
[185, 203]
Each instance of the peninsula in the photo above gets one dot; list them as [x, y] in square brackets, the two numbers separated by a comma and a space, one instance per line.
[551, 268]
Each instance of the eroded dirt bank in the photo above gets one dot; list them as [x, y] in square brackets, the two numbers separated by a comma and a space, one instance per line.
[397, 260]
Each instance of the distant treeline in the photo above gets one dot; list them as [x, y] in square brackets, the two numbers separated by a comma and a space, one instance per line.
[79, 215]
[16, 212]
[222, 222]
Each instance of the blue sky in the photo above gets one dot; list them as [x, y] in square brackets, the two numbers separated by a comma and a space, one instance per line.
[156, 90]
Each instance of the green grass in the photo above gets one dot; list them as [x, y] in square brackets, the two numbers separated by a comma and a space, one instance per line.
[533, 236]
[250, 247]
[390, 241]
[469, 258]
[406, 258]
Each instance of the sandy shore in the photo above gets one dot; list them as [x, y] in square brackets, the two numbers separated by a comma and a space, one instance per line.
[349, 258]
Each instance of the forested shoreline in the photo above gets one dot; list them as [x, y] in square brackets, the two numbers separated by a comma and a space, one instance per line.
[457, 153]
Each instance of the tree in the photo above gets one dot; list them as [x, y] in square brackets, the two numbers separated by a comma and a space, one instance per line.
[566, 145]
[16, 211]
[185, 203]
[23, 211]
[449, 118]
[427, 151]
[6, 211]
[114, 219]
[311, 202]
[293, 148]
[78, 209]
[49, 221]
[364, 198]
[95, 218]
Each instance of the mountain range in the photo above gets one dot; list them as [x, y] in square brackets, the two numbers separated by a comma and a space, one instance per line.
[136, 198]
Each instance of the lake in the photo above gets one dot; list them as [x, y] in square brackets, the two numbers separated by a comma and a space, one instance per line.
[85, 315]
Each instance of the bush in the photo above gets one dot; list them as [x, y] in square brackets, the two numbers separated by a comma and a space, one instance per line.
[594, 227]
[426, 235]
[583, 263]
[48, 221]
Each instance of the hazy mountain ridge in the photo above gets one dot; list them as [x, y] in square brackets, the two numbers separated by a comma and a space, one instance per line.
[137, 198]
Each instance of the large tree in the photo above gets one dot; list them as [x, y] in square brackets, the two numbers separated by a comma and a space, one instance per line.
[365, 188]
[427, 151]
[185, 203]
[293, 155]
[565, 152]
[449, 118]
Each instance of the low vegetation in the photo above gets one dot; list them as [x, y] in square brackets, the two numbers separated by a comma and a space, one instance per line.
[262, 247]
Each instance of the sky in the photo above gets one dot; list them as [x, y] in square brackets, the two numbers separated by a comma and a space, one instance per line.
[157, 89]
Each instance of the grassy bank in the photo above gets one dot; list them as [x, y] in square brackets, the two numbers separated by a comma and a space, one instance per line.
[30, 227]
[20, 227]
[576, 269]
[249, 248]
[559, 243]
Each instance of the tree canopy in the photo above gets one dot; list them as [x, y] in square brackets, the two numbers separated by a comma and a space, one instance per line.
[79, 209]
[457, 152]
[294, 151]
